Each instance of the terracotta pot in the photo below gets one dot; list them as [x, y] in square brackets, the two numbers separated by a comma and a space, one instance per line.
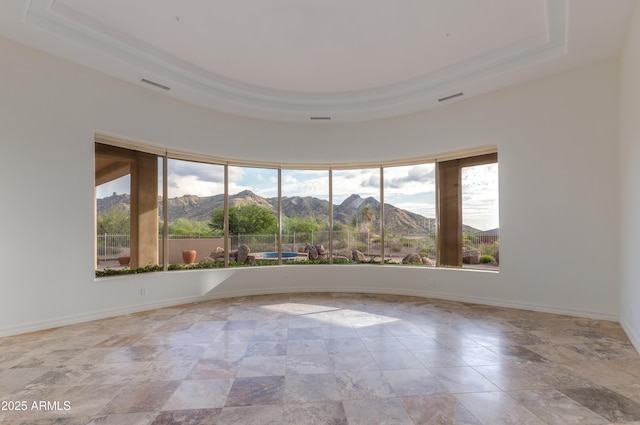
[189, 256]
[123, 261]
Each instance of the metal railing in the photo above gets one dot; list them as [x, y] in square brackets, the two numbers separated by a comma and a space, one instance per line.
[345, 240]
[111, 247]
[486, 243]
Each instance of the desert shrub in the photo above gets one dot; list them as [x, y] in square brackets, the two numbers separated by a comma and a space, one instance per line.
[490, 249]
[428, 251]
[484, 259]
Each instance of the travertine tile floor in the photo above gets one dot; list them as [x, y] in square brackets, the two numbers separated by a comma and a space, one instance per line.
[323, 359]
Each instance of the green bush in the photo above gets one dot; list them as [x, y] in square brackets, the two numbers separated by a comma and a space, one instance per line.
[183, 226]
[484, 259]
[157, 268]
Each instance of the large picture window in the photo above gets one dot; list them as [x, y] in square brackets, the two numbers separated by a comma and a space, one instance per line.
[160, 212]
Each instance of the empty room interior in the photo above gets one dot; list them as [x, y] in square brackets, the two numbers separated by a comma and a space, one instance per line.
[413, 212]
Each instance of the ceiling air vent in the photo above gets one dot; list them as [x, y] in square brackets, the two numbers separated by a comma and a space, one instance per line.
[153, 83]
[453, 96]
[320, 118]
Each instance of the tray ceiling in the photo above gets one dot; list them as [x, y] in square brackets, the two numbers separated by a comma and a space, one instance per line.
[294, 60]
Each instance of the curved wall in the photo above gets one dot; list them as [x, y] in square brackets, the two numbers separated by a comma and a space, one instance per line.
[630, 175]
[558, 151]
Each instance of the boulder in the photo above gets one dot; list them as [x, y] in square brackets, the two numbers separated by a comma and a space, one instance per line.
[312, 251]
[342, 253]
[207, 260]
[471, 257]
[357, 255]
[428, 261]
[412, 258]
[217, 253]
[243, 253]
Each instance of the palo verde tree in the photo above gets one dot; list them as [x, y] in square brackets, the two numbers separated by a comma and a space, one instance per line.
[184, 226]
[300, 225]
[245, 220]
[115, 221]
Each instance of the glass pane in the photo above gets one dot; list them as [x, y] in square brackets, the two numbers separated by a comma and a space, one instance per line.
[409, 214]
[126, 184]
[113, 201]
[253, 223]
[160, 215]
[194, 191]
[305, 215]
[480, 216]
[356, 214]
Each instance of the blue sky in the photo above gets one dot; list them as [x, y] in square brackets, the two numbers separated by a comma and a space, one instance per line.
[409, 187]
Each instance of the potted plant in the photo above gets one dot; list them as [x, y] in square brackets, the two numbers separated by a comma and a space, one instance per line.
[189, 256]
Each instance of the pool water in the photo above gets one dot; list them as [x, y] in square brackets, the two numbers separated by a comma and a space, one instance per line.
[275, 255]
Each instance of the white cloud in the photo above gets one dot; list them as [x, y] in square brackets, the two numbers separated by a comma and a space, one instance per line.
[409, 176]
[361, 182]
[194, 178]
[192, 185]
[480, 196]
[426, 209]
[119, 186]
[305, 183]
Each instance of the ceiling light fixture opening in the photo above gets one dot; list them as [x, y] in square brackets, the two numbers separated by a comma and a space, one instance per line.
[153, 83]
[444, 99]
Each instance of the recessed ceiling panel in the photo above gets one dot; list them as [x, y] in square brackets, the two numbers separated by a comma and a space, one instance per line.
[312, 46]
[350, 60]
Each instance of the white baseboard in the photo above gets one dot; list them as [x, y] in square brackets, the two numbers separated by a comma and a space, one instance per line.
[633, 336]
[221, 294]
[97, 315]
[419, 293]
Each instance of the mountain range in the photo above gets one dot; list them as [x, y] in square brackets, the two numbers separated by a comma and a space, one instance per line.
[199, 208]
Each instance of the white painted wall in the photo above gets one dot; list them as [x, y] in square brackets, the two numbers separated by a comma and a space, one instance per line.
[558, 149]
[630, 182]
